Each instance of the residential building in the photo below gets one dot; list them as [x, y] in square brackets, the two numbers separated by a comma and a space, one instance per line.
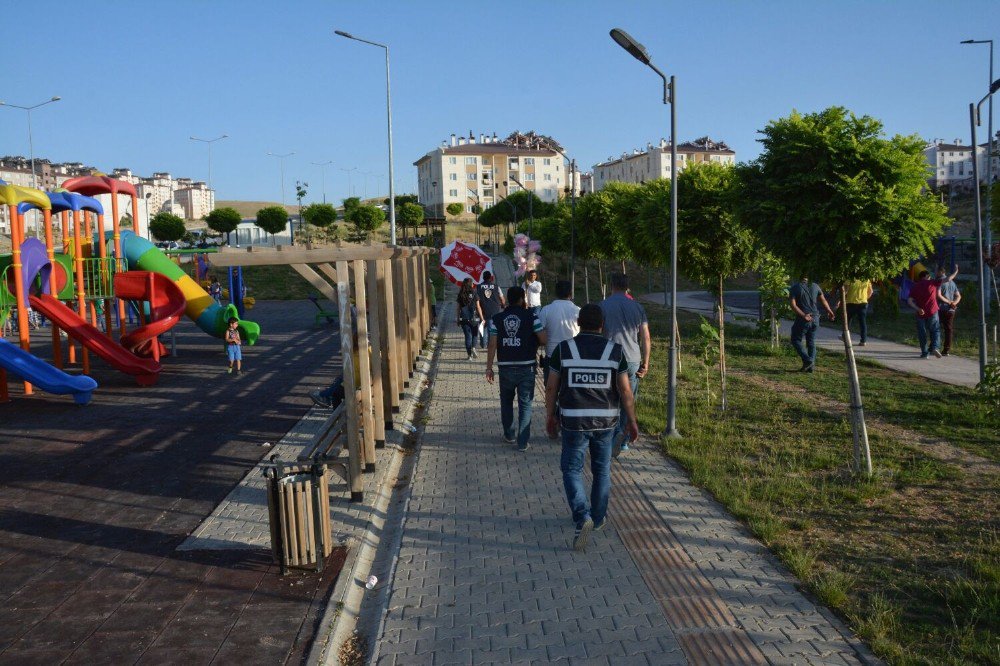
[950, 164]
[469, 171]
[640, 166]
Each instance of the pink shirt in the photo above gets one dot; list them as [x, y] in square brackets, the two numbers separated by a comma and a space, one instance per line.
[924, 294]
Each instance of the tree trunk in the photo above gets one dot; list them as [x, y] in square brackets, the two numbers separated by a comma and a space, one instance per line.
[677, 347]
[586, 279]
[600, 277]
[862, 452]
[774, 329]
[623, 267]
[722, 344]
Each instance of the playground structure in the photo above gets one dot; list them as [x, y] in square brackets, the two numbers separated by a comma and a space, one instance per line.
[36, 275]
[391, 291]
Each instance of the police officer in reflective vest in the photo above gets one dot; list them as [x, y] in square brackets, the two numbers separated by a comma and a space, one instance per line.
[588, 379]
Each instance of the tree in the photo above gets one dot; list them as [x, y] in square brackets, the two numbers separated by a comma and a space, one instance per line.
[837, 201]
[350, 203]
[365, 220]
[125, 222]
[714, 244]
[411, 214]
[454, 209]
[167, 226]
[319, 214]
[272, 219]
[224, 220]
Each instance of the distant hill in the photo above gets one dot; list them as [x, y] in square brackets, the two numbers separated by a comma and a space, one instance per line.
[248, 209]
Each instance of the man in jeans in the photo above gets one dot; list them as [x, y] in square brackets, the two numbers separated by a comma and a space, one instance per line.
[805, 299]
[491, 301]
[924, 299]
[515, 335]
[625, 322]
[948, 297]
[559, 320]
[589, 379]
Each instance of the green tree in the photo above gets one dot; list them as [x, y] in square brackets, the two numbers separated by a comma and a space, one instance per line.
[836, 200]
[224, 220]
[714, 244]
[410, 214]
[167, 226]
[125, 222]
[320, 214]
[454, 209]
[350, 203]
[272, 219]
[365, 220]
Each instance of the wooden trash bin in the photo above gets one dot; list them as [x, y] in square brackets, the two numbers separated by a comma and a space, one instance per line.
[298, 507]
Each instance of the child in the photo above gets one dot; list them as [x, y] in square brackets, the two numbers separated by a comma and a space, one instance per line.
[215, 290]
[233, 345]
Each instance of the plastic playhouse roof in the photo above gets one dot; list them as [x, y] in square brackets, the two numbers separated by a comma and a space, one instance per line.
[91, 185]
[64, 200]
[12, 195]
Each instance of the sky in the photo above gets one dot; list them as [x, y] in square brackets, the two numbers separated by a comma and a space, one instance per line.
[137, 79]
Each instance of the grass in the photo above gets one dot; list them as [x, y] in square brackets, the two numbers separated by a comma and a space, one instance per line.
[911, 557]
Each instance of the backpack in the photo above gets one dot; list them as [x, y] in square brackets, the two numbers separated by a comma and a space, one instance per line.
[468, 314]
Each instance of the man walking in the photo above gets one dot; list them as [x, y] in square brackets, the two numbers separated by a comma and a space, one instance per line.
[559, 320]
[515, 335]
[625, 322]
[805, 299]
[857, 294]
[948, 297]
[589, 381]
[491, 301]
[924, 300]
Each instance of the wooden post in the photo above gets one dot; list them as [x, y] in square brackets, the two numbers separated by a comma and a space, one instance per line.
[350, 409]
[364, 349]
[411, 268]
[376, 334]
[399, 283]
[388, 315]
[316, 281]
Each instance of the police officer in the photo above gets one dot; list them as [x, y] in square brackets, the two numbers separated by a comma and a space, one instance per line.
[515, 334]
[588, 377]
[490, 299]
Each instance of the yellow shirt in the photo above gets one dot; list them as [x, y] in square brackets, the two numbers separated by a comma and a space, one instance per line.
[857, 292]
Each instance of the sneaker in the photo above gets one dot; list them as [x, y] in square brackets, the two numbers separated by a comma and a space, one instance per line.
[229, 370]
[945, 354]
[509, 440]
[469, 357]
[475, 354]
[618, 445]
[320, 400]
[523, 448]
[600, 526]
[582, 534]
[862, 344]
[810, 368]
[924, 355]
[936, 353]
[625, 447]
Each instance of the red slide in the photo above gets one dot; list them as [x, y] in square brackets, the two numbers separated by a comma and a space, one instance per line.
[144, 370]
[166, 305]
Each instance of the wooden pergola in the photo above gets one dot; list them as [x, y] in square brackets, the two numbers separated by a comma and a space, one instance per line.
[390, 285]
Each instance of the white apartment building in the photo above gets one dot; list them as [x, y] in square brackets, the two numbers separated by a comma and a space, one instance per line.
[466, 171]
[950, 164]
[640, 166]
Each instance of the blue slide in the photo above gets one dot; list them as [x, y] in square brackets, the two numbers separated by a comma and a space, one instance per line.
[46, 377]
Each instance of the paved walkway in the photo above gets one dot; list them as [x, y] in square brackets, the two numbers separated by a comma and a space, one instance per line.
[955, 370]
[486, 574]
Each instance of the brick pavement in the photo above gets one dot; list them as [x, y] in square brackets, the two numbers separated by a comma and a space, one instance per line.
[486, 574]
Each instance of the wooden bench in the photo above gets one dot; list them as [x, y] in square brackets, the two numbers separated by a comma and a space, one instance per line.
[328, 444]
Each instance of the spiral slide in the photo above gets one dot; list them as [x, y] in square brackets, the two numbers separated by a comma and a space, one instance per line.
[166, 305]
[200, 307]
[46, 377]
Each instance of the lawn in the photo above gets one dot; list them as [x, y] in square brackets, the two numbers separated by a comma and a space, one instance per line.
[911, 557]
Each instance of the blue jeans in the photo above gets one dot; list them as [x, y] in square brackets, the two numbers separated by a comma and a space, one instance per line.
[574, 448]
[859, 311]
[929, 328]
[519, 381]
[633, 381]
[805, 329]
[471, 333]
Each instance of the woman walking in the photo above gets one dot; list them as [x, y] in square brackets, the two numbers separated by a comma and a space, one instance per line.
[470, 315]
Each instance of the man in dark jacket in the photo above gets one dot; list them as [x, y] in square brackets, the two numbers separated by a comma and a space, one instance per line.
[491, 300]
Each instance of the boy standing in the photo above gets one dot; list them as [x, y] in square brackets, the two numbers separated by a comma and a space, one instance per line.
[234, 345]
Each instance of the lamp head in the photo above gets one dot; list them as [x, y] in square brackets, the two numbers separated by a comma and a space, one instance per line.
[995, 87]
[224, 136]
[55, 99]
[967, 41]
[343, 34]
[626, 41]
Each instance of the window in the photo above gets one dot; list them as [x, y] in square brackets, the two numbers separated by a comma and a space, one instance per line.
[547, 161]
[471, 192]
[512, 164]
[548, 176]
[529, 161]
[452, 193]
[488, 192]
[487, 176]
[471, 175]
[452, 160]
[470, 160]
[529, 176]
[452, 176]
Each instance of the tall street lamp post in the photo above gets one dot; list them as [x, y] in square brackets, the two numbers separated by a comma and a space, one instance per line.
[350, 186]
[388, 112]
[572, 221]
[281, 160]
[974, 122]
[990, 151]
[322, 166]
[639, 52]
[210, 142]
[31, 142]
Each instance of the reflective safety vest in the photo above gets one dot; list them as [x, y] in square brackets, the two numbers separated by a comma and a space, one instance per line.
[588, 383]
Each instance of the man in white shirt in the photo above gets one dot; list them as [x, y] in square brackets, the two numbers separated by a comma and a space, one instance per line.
[533, 292]
[559, 321]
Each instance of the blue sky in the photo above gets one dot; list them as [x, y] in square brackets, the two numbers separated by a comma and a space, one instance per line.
[138, 78]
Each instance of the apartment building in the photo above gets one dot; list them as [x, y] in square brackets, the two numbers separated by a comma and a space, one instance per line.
[640, 166]
[483, 171]
[950, 164]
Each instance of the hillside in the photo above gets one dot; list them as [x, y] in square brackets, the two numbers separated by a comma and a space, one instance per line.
[248, 209]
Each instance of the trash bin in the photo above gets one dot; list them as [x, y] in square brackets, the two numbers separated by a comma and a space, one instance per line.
[298, 507]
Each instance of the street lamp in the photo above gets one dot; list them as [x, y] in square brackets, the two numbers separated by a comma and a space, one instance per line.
[31, 142]
[974, 122]
[639, 52]
[210, 142]
[531, 208]
[388, 112]
[322, 166]
[572, 220]
[350, 186]
[989, 161]
[281, 159]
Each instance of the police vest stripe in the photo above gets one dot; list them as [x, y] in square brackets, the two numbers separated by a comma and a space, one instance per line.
[589, 363]
[588, 412]
[531, 362]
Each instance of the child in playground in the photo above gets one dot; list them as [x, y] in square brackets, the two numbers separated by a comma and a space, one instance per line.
[234, 345]
[215, 290]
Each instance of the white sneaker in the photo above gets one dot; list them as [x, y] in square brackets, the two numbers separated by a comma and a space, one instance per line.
[475, 354]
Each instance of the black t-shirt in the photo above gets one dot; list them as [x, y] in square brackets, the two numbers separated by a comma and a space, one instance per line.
[514, 330]
[489, 298]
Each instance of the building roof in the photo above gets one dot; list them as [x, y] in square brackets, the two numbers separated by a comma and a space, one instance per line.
[951, 146]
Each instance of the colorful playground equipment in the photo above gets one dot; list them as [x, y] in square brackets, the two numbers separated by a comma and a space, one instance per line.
[36, 275]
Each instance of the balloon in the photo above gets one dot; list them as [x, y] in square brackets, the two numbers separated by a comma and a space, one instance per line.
[518, 252]
[520, 240]
[534, 246]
